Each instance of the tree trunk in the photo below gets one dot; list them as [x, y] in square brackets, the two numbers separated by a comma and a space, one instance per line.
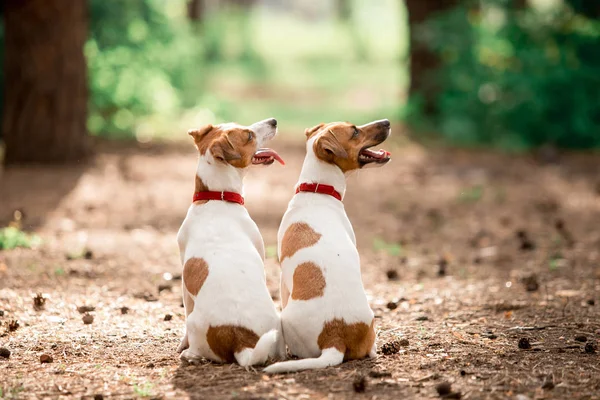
[196, 9]
[422, 61]
[45, 97]
[343, 10]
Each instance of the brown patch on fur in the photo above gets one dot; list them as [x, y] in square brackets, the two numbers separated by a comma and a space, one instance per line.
[309, 282]
[200, 187]
[195, 272]
[226, 340]
[297, 236]
[234, 145]
[337, 143]
[354, 340]
[285, 294]
[188, 301]
[309, 132]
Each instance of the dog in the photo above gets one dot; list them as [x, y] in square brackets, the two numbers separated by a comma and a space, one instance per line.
[326, 317]
[230, 316]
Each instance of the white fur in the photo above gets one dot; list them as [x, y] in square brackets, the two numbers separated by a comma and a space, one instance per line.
[344, 296]
[235, 291]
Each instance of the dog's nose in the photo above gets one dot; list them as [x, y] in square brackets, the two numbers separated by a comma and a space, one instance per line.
[272, 122]
[384, 122]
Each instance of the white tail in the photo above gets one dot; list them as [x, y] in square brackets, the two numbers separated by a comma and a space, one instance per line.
[267, 345]
[328, 358]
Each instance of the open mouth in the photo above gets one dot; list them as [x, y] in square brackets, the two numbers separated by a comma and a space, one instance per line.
[367, 156]
[266, 157]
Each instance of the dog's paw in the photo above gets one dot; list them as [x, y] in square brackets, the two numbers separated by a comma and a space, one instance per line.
[190, 358]
[183, 345]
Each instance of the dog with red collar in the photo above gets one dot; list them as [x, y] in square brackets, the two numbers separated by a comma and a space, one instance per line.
[326, 317]
[230, 316]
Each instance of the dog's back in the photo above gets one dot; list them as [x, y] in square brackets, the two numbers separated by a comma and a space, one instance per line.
[224, 282]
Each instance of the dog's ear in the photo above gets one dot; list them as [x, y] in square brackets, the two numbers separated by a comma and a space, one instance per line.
[311, 131]
[222, 150]
[198, 133]
[327, 147]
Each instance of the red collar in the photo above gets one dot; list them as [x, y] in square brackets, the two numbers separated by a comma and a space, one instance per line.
[319, 188]
[231, 197]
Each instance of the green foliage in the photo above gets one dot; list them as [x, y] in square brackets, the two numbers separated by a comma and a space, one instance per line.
[141, 55]
[12, 237]
[472, 194]
[143, 390]
[392, 249]
[517, 79]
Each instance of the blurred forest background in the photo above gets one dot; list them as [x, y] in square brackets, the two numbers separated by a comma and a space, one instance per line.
[512, 74]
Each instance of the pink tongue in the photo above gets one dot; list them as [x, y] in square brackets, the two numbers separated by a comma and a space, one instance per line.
[376, 154]
[269, 153]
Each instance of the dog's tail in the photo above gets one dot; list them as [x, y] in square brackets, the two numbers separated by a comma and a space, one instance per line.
[329, 357]
[266, 346]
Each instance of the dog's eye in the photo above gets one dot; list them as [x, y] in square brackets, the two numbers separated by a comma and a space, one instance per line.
[355, 133]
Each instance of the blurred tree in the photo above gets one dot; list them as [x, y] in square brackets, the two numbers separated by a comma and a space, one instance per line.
[196, 10]
[343, 9]
[422, 60]
[45, 93]
[589, 8]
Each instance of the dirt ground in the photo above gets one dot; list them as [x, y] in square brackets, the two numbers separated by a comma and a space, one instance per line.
[464, 255]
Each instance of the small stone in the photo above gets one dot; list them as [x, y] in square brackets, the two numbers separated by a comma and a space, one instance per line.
[88, 255]
[492, 336]
[548, 384]
[4, 352]
[88, 319]
[46, 359]
[1, 313]
[527, 245]
[392, 305]
[392, 275]
[168, 317]
[124, 310]
[85, 309]
[442, 266]
[404, 342]
[524, 344]
[590, 348]
[150, 365]
[380, 374]
[360, 384]
[444, 388]
[98, 397]
[531, 283]
[422, 318]
[164, 286]
[463, 372]
[150, 297]
[590, 302]
[581, 338]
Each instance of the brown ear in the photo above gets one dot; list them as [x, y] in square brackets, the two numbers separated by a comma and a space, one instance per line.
[198, 133]
[327, 148]
[311, 131]
[222, 150]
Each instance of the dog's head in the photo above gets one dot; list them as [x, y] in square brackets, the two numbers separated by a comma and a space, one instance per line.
[236, 145]
[348, 146]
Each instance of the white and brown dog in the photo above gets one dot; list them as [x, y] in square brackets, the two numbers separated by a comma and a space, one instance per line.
[326, 317]
[230, 315]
